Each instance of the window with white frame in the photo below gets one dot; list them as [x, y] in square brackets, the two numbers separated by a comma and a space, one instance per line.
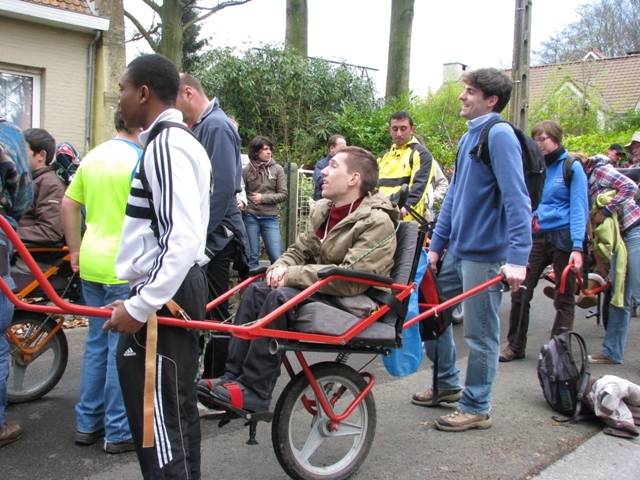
[20, 97]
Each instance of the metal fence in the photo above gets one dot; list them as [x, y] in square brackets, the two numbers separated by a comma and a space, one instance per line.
[294, 213]
[304, 199]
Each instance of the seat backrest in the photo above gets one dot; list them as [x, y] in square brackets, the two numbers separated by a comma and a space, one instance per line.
[403, 260]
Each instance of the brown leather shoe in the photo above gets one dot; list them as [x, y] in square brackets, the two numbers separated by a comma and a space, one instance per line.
[10, 432]
[507, 355]
[425, 399]
[460, 421]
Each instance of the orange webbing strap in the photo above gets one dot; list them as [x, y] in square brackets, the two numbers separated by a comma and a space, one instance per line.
[149, 382]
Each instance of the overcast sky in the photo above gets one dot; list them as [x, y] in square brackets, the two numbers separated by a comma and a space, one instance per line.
[478, 33]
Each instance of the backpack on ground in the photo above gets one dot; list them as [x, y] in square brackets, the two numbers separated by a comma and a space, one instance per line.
[533, 164]
[16, 190]
[563, 384]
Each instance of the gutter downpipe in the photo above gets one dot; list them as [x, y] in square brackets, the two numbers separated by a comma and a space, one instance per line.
[90, 80]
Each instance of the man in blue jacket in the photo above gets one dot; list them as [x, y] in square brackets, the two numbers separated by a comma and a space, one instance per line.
[335, 142]
[226, 234]
[483, 238]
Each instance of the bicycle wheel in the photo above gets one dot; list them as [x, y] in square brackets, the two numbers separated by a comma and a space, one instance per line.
[30, 379]
[302, 440]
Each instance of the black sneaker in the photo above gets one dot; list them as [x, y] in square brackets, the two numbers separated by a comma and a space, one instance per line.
[89, 438]
[120, 447]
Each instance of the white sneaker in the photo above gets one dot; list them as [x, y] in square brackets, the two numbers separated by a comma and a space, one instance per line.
[207, 412]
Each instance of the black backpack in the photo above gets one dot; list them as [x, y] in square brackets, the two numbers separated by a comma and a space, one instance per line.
[563, 385]
[533, 165]
[567, 169]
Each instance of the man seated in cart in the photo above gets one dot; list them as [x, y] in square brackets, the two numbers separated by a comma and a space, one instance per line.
[352, 227]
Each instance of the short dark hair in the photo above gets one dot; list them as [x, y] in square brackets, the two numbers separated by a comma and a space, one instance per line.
[191, 81]
[256, 144]
[119, 123]
[401, 115]
[550, 127]
[39, 139]
[362, 161]
[159, 74]
[492, 82]
[333, 140]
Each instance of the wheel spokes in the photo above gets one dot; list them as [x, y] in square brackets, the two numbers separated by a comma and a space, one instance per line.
[19, 369]
[348, 429]
[314, 440]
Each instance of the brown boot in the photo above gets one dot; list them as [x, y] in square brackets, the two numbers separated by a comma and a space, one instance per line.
[507, 355]
[10, 432]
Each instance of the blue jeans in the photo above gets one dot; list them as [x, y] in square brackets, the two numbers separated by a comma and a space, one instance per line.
[481, 331]
[101, 404]
[269, 228]
[616, 336]
[6, 315]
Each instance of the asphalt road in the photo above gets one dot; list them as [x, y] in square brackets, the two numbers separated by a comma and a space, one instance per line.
[523, 441]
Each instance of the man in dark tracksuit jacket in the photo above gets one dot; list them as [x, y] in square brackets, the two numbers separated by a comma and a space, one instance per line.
[226, 234]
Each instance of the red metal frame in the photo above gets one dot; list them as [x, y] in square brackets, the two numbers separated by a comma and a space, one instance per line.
[255, 330]
[563, 282]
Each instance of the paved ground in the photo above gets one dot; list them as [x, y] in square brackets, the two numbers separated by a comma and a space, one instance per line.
[523, 442]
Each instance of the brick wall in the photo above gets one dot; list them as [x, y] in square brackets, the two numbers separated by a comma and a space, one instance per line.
[62, 57]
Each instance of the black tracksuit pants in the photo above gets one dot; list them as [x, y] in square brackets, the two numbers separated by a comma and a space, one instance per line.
[176, 450]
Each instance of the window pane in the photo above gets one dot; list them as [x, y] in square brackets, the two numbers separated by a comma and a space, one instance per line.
[16, 99]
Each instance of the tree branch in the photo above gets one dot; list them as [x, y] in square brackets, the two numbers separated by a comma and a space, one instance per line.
[212, 10]
[153, 5]
[143, 31]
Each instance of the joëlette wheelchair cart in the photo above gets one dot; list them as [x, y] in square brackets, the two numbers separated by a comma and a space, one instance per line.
[324, 421]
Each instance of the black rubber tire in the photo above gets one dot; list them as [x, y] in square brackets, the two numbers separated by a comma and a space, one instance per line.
[293, 426]
[38, 378]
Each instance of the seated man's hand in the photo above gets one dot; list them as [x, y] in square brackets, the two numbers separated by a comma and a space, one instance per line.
[120, 320]
[514, 275]
[276, 276]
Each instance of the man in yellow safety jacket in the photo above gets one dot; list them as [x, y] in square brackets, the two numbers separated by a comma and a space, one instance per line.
[408, 162]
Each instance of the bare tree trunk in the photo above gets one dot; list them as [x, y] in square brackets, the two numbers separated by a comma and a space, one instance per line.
[398, 64]
[110, 62]
[297, 21]
[171, 41]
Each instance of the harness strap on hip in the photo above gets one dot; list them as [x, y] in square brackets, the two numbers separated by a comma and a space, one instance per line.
[149, 382]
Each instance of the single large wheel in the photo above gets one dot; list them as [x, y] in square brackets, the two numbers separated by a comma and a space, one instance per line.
[303, 441]
[32, 378]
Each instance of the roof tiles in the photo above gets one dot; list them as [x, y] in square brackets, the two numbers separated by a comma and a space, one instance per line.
[616, 81]
[78, 6]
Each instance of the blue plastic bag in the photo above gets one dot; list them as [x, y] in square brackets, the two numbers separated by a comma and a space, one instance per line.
[406, 360]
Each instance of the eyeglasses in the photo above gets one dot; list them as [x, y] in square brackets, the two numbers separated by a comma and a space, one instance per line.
[542, 139]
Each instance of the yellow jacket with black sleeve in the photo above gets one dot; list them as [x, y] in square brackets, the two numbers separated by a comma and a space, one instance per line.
[609, 246]
[409, 164]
